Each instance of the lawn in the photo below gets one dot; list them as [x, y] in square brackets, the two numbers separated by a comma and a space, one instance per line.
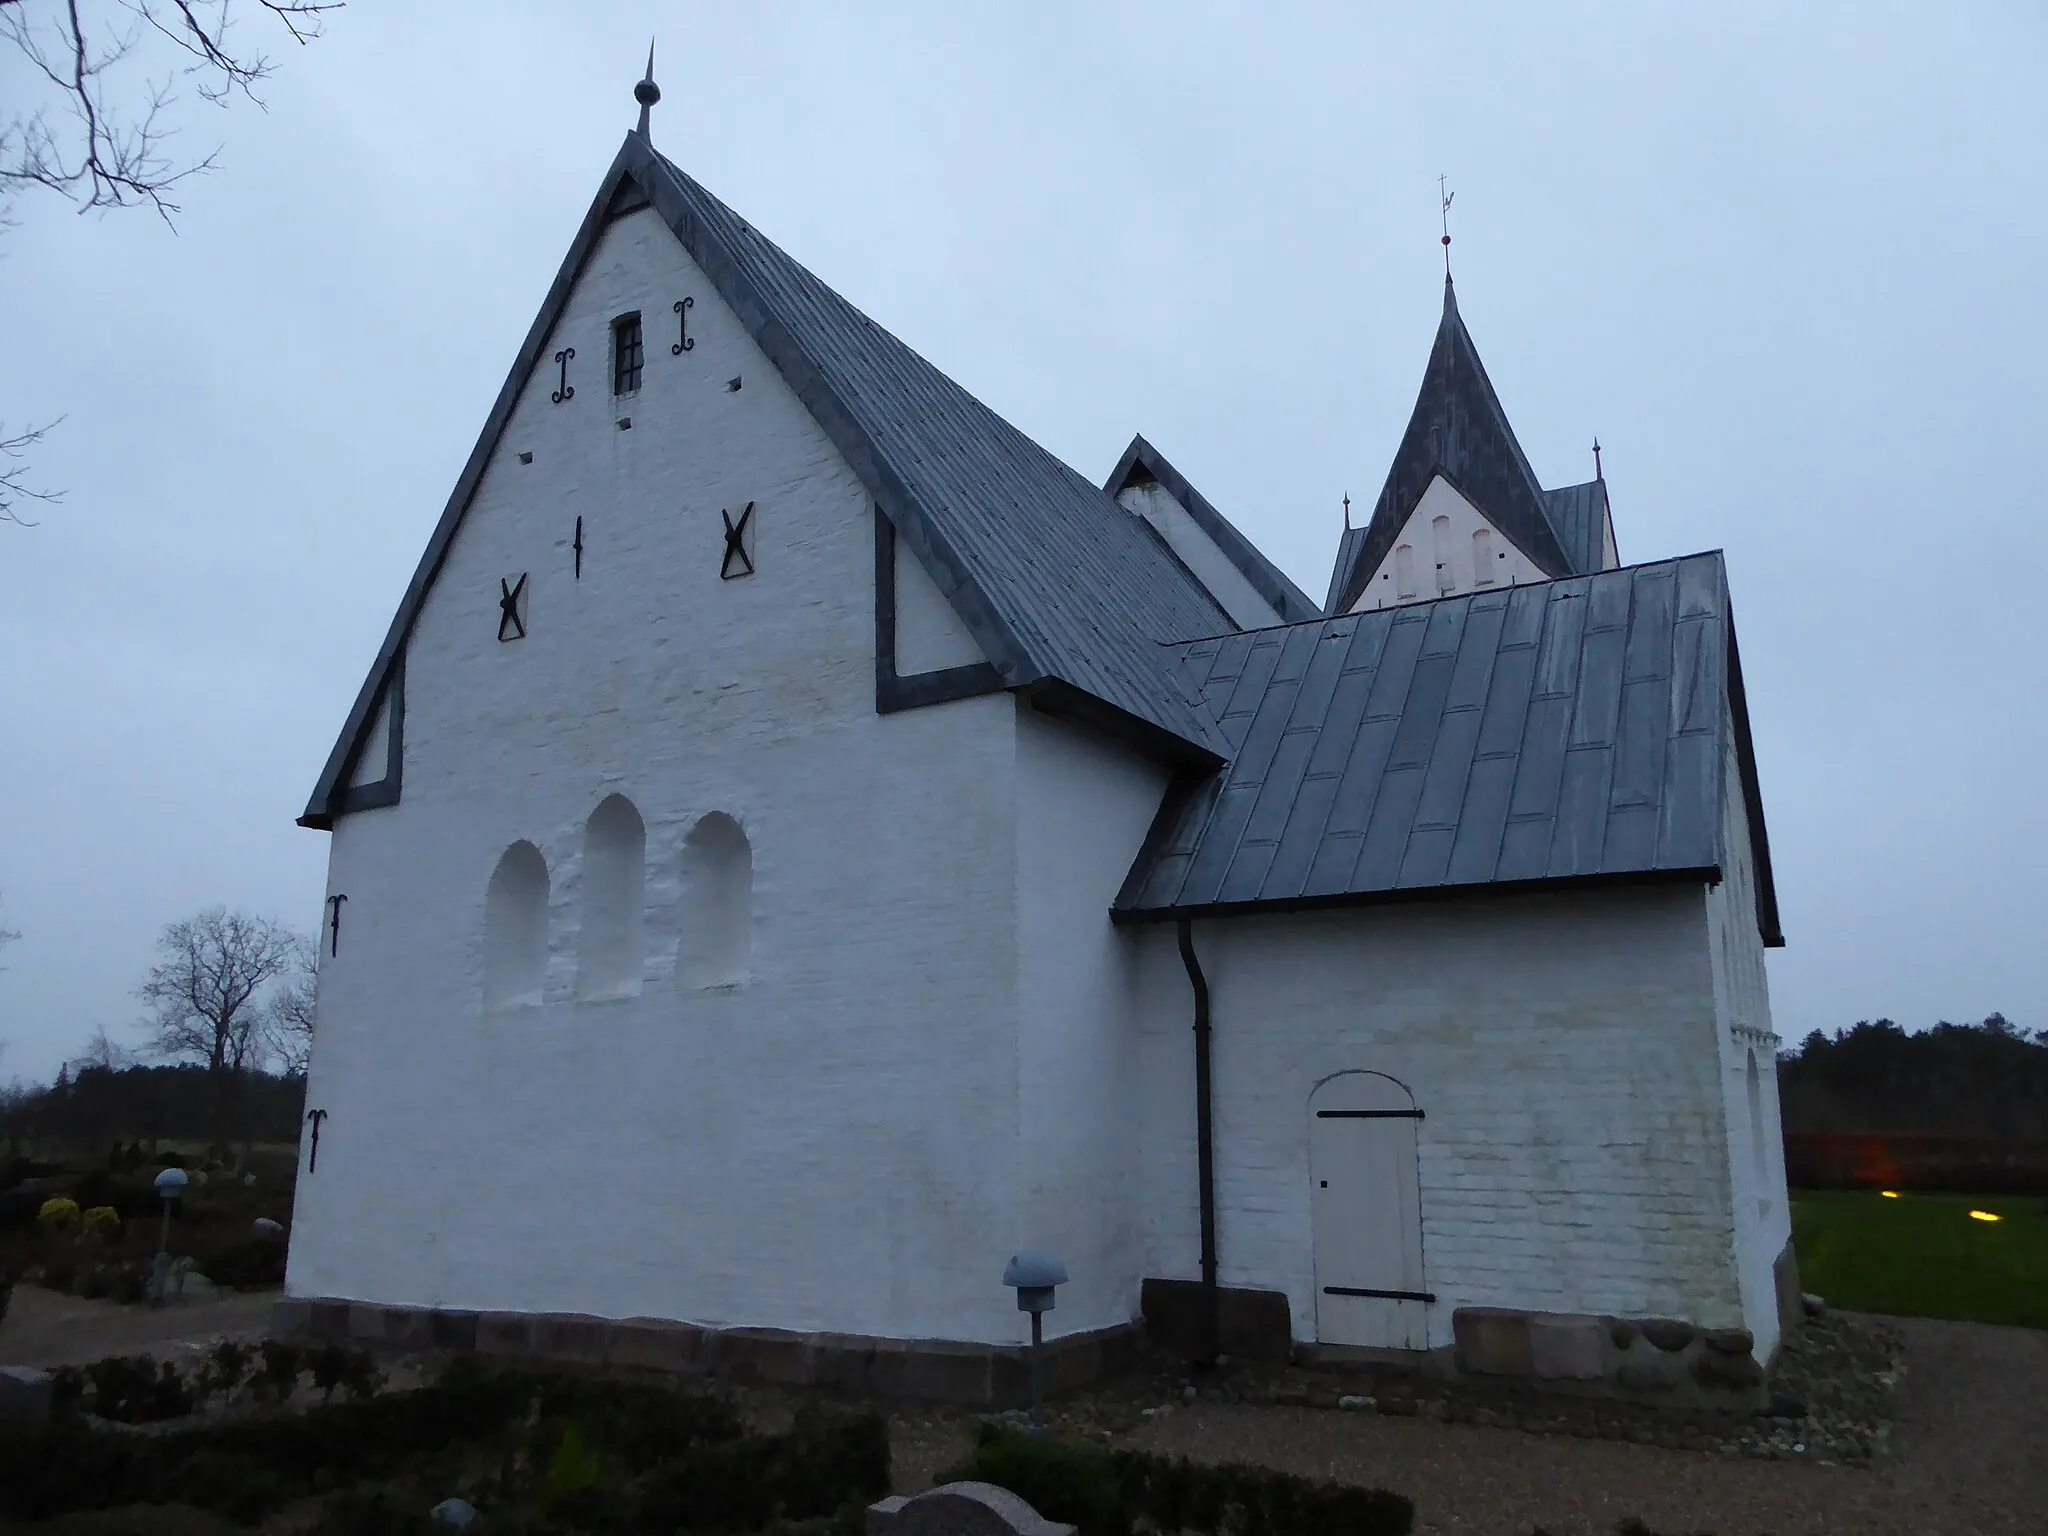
[1924, 1255]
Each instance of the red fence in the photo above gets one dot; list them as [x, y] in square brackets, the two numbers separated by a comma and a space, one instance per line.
[1892, 1160]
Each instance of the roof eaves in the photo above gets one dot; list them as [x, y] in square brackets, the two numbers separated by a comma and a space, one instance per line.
[321, 807]
[1768, 922]
[1128, 916]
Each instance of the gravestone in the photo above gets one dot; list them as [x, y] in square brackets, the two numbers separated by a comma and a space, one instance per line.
[960, 1509]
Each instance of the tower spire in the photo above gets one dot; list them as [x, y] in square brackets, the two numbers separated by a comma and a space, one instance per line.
[647, 93]
[1597, 475]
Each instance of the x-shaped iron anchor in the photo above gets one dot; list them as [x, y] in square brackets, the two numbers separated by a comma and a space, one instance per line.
[508, 608]
[735, 546]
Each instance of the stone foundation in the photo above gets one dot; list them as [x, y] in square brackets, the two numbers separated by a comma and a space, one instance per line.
[927, 1370]
[1651, 1360]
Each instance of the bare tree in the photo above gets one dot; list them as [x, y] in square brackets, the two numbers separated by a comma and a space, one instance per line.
[204, 994]
[102, 1050]
[7, 937]
[109, 72]
[288, 1017]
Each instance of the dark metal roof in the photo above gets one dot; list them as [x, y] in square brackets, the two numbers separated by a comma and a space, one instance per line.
[1568, 730]
[1067, 594]
[1579, 514]
[1458, 430]
[1142, 462]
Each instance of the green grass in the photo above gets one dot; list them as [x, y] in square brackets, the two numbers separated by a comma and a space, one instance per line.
[1921, 1255]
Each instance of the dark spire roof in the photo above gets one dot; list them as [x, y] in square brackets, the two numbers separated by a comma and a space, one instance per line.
[1458, 431]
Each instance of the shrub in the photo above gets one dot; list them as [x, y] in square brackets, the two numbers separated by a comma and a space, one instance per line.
[134, 1389]
[355, 1371]
[1063, 1480]
[279, 1374]
[57, 1214]
[102, 1219]
[1103, 1492]
[249, 1265]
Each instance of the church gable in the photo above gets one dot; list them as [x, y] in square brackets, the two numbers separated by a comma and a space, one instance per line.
[1446, 546]
[981, 507]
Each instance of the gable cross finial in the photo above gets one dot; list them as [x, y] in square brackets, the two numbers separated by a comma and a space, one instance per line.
[1447, 196]
[647, 93]
[1596, 460]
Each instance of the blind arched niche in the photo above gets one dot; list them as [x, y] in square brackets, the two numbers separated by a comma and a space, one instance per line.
[609, 949]
[718, 903]
[516, 928]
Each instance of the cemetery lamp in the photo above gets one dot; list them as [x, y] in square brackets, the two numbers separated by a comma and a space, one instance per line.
[1034, 1274]
[170, 1184]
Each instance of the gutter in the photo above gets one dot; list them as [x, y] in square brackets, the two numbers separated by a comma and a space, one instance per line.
[1205, 1154]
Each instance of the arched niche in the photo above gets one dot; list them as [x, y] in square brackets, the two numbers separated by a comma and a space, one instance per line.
[610, 937]
[516, 929]
[718, 903]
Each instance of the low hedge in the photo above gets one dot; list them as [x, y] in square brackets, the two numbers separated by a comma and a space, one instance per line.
[1112, 1493]
[558, 1453]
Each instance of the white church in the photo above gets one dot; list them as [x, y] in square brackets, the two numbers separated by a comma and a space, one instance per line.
[800, 844]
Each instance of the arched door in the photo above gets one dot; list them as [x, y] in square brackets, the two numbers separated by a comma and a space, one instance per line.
[1366, 1206]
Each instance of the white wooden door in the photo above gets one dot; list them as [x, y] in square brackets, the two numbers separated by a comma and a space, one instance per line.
[1366, 1207]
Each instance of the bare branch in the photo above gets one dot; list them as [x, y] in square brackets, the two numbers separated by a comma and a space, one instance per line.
[93, 152]
[13, 480]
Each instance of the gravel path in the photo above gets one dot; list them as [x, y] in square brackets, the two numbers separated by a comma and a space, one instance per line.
[50, 1328]
[1968, 1460]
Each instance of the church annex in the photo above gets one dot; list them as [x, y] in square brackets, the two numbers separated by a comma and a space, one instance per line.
[800, 844]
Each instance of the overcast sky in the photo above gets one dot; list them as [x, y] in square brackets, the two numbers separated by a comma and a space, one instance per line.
[1787, 264]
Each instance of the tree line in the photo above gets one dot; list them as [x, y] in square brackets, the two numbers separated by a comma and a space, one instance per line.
[1986, 1080]
[227, 1028]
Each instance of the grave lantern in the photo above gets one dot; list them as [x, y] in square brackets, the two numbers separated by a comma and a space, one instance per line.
[170, 1184]
[1034, 1274]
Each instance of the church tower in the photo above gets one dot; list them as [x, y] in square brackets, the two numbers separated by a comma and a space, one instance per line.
[1461, 510]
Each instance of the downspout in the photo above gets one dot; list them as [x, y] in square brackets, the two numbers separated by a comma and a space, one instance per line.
[1205, 1153]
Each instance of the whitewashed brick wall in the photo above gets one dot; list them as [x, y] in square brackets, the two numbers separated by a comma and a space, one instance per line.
[1082, 812]
[1762, 1207]
[1563, 1048]
[832, 1145]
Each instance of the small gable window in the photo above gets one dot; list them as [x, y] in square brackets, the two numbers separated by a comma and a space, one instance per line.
[1440, 543]
[627, 354]
[1482, 557]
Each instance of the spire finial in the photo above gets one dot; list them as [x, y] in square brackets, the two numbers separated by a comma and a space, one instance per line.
[1447, 196]
[647, 93]
[1347, 511]
[1596, 460]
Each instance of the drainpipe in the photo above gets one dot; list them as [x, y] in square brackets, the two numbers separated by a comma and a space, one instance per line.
[1205, 1154]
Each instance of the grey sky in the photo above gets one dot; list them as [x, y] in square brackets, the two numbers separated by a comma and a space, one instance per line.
[1786, 264]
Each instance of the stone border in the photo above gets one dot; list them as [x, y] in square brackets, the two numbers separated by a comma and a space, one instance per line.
[926, 1370]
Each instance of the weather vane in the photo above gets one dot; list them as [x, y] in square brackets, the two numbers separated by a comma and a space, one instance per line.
[1447, 196]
